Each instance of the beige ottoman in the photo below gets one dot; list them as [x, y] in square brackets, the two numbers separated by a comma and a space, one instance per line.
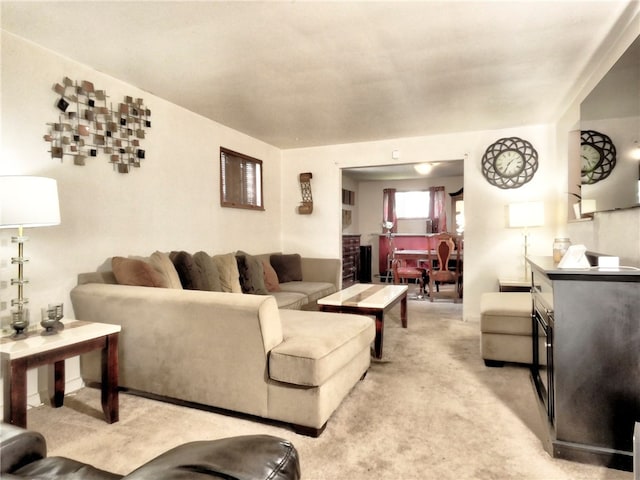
[505, 328]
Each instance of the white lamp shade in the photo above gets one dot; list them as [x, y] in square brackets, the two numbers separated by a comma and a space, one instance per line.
[526, 214]
[27, 201]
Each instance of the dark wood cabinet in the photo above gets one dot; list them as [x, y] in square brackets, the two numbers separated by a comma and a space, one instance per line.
[589, 389]
[350, 259]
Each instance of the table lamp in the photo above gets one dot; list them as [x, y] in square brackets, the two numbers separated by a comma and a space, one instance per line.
[524, 215]
[25, 202]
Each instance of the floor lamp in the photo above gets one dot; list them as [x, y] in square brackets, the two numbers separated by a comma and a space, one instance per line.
[525, 215]
[26, 202]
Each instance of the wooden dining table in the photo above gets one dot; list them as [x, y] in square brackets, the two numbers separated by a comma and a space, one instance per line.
[419, 254]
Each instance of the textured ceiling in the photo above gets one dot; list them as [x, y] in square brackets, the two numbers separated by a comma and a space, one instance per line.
[297, 74]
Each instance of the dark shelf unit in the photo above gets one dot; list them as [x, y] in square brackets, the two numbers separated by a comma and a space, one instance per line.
[589, 391]
[350, 259]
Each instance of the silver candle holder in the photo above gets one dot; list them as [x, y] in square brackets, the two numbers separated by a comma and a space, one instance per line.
[20, 323]
[51, 317]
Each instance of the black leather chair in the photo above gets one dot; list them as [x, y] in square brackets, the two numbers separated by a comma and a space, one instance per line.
[23, 454]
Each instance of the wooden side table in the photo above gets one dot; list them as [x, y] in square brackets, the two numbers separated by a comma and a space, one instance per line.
[76, 338]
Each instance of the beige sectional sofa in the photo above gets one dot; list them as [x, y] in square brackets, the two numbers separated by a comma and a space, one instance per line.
[233, 351]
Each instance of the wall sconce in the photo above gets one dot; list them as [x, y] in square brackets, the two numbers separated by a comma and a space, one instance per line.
[525, 215]
[26, 201]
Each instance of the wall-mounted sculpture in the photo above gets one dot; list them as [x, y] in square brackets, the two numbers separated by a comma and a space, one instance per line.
[305, 188]
[89, 125]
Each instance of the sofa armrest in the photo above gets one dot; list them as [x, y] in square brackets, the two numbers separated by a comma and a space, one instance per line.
[250, 457]
[19, 447]
[97, 277]
[322, 270]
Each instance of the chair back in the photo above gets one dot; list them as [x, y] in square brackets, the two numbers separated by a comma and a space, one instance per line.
[444, 248]
[448, 256]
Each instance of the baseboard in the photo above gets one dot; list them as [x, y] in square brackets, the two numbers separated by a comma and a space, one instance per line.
[40, 397]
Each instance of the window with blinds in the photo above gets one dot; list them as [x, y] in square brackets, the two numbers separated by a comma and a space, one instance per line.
[240, 180]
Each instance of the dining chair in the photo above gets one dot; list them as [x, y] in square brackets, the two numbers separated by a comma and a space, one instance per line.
[402, 272]
[446, 267]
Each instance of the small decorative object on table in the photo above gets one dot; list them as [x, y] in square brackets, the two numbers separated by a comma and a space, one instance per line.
[560, 247]
[20, 322]
[51, 317]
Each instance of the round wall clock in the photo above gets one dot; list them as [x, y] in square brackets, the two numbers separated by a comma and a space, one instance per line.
[598, 156]
[509, 162]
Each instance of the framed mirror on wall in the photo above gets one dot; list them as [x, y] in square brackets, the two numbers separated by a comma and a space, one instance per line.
[605, 173]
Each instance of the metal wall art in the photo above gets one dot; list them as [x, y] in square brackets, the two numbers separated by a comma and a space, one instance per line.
[305, 188]
[89, 125]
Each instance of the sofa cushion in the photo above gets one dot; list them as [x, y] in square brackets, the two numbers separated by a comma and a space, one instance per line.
[187, 270]
[506, 312]
[287, 266]
[163, 264]
[209, 273]
[131, 271]
[270, 277]
[316, 345]
[290, 300]
[228, 269]
[312, 290]
[251, 274]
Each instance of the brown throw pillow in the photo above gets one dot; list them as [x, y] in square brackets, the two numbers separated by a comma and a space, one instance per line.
[129, 271]
[187, 270]
[270, 277]
[288, 267]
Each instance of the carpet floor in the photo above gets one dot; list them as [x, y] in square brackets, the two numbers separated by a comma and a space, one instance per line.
[429, 409]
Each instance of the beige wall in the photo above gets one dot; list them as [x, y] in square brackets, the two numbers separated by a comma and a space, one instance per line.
[171, 202]
[491, 249]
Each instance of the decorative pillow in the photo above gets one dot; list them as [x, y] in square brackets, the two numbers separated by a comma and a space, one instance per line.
[288, 267]
[228, 270]
[163, 264]
[270, 277]
[129, 271]
[208, 271]
[251, 274]
[187, 270]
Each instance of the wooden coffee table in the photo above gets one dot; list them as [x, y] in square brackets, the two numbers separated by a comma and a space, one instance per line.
[369, 299]
[76, 338]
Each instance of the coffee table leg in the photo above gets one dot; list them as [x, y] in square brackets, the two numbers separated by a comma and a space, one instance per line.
[110, 379]
[379, 333]
[403, 310]
[15, 401]
[58, 384]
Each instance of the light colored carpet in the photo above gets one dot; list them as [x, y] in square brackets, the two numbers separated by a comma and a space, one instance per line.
[429, 409]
